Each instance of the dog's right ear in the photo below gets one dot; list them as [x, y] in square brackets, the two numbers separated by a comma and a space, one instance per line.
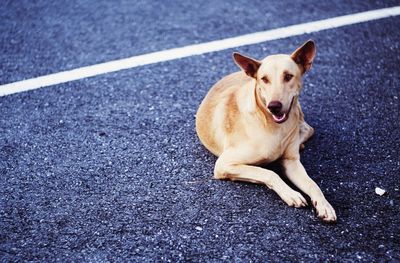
[249, 65]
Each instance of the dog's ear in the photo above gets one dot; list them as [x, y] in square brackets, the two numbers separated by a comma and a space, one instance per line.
[249, 65]
[304, 55]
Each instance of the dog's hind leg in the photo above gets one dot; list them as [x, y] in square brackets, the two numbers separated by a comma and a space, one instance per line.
[306, 131]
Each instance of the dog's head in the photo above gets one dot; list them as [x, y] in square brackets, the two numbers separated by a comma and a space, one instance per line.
[278, 78]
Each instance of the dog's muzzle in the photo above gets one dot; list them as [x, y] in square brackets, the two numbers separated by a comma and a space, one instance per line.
[275, 108]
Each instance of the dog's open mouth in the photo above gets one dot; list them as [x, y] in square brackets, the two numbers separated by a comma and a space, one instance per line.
[279, 118]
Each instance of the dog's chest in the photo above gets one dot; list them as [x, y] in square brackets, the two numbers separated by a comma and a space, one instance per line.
[273, 148]
[275, 144]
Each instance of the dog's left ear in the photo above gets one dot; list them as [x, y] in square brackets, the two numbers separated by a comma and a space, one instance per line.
[304, 55]
[249, 65]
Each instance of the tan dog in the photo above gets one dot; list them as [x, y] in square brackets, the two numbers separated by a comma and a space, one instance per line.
[254, 116]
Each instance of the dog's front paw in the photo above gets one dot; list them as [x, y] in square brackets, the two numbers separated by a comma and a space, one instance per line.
[293, 198]
[324, 210]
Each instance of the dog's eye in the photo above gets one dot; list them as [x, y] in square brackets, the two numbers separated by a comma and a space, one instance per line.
[288, 77]
[265, 79]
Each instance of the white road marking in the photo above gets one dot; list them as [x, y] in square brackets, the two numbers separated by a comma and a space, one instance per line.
[197, 49]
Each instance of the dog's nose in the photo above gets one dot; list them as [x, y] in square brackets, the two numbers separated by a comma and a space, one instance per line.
[275, 107]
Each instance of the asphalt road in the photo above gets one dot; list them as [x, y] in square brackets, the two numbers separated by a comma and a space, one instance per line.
[110, 169]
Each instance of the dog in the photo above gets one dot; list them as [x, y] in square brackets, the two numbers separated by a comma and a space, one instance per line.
[253, 116]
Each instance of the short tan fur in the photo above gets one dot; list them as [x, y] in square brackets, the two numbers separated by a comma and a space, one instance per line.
[254, 116]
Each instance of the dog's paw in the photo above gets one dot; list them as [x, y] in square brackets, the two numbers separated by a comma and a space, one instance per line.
[293, 198]
[324, 210]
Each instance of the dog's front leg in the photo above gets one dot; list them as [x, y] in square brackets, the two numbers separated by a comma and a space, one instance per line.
[298, 175]
[235, 170]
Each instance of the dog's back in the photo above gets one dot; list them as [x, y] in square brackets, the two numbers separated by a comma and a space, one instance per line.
[218, 109]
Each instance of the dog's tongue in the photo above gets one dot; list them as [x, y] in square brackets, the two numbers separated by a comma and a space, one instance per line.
[279, 118]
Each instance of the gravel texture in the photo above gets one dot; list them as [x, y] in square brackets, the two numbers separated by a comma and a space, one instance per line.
[109, 168]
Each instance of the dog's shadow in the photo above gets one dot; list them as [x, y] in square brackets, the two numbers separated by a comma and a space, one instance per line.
[277, 167]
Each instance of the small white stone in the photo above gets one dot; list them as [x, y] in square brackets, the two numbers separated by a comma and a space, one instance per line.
[199, 228]
[379, 191]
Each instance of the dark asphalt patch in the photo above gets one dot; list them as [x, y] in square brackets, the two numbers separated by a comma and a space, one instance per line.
[144, 191]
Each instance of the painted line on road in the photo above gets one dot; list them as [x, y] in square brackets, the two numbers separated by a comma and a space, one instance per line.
[197, 49]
